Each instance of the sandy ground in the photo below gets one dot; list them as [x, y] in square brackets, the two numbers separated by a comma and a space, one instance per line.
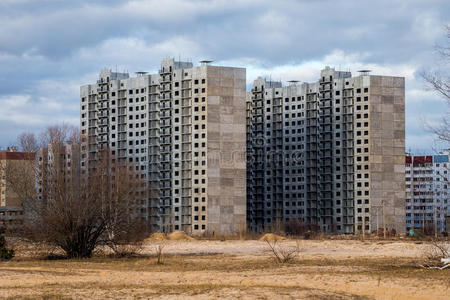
[335, 248]
[237, 270]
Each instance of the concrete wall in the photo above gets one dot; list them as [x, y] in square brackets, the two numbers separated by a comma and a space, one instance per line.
[387, 151]
[226, 133]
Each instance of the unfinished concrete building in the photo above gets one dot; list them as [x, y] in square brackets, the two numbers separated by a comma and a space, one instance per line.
[56, 162]
[183, 129]
[329, 153]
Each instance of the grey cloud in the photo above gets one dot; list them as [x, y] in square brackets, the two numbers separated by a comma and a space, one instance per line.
[47, 44]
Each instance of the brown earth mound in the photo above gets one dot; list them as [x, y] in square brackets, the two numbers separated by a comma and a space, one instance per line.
[271, 237]
[178, 236]
[156, 237]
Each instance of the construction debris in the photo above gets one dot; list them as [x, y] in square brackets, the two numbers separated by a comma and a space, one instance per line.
[271, 237]
[156, 237]
[178, 236]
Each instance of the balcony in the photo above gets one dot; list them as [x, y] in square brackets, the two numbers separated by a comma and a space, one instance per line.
[165, 70]
[325, 79]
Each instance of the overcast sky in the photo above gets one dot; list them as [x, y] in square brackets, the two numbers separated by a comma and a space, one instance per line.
[48, 48]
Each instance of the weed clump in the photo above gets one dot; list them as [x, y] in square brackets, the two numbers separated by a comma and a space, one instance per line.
[5, 253]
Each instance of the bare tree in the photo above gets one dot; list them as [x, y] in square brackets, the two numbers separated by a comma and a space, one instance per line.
[75, 211]
[27, 142]
[60, 134]
[122, 201]
[439, 81]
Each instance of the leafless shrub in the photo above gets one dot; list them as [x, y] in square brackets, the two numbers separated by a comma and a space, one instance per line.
[435, 252]
[127, 239]
[283, 254]
[159, 254]
[127, 250]
[37, 249]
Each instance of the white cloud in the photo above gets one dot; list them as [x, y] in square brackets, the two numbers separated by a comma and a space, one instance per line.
[180, 11]
[421, 95]
[9, 103]
[427, 27]
[309, 71]
[137, 53]
[23, 110]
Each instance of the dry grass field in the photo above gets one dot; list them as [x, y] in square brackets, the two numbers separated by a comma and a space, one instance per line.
[339, 269]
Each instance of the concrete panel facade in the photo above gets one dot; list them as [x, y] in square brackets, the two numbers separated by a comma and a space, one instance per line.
[387, 152]
[181, 129]
[341, 141]
[226, 124]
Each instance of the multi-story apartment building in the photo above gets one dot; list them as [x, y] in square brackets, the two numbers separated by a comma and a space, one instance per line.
[427, 192]
[183, 130]
[329, 153]
[58, 162]
[19, 165]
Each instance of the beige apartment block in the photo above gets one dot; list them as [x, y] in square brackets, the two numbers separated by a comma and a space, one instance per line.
[183, 129]
[328, 153]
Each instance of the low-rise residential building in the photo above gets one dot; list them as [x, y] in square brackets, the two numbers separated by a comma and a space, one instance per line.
[427, 192]
[15, 167]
